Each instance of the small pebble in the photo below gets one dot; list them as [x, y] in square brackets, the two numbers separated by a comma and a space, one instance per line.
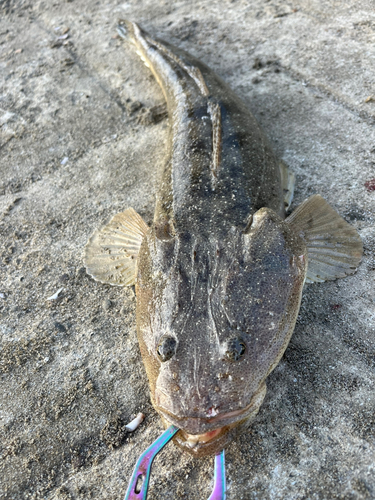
[55, 296]
[80, 272]
[107, 304]
[131, 426]
[124, 310]
[370, 185]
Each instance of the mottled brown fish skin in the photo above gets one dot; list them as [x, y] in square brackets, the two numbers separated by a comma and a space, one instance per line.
[220, 274]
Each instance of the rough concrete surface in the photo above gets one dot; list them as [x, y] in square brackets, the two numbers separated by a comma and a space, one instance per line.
[83, 131]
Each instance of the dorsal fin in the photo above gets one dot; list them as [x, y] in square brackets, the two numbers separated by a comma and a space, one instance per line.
[287, 183]
[215, 113]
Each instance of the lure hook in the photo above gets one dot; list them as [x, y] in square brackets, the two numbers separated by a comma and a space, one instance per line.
[138, 486]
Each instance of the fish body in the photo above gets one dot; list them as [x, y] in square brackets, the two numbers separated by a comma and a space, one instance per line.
[219, 275]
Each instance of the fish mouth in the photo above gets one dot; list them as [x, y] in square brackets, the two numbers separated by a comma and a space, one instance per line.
[205, 436]
[201, 445]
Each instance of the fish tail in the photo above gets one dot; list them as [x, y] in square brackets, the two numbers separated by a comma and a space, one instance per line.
[126, 30]
[142, 41]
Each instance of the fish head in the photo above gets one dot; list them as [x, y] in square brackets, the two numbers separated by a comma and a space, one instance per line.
[214, 317]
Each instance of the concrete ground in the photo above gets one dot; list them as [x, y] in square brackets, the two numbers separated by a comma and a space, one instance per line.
[83, 131]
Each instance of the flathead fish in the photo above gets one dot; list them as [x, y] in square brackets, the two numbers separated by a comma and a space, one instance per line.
[220, 272]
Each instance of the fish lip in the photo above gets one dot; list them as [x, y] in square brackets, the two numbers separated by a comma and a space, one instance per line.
[207, 447]
[229, 424]
[201, 425]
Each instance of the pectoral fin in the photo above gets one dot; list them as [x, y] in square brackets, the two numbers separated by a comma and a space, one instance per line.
[111, 252]
[334, 248]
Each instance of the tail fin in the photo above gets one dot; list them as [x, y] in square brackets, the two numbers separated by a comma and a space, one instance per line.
[126, 30]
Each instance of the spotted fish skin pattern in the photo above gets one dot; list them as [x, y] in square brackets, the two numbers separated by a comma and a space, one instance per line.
[219, 272]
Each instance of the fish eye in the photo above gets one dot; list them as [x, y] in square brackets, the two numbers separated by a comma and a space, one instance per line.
[235, 349]
[166, 348]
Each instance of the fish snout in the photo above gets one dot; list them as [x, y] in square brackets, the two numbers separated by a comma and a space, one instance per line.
[197, 421]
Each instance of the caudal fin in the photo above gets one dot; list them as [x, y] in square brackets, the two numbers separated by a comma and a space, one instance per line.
[126, 29]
